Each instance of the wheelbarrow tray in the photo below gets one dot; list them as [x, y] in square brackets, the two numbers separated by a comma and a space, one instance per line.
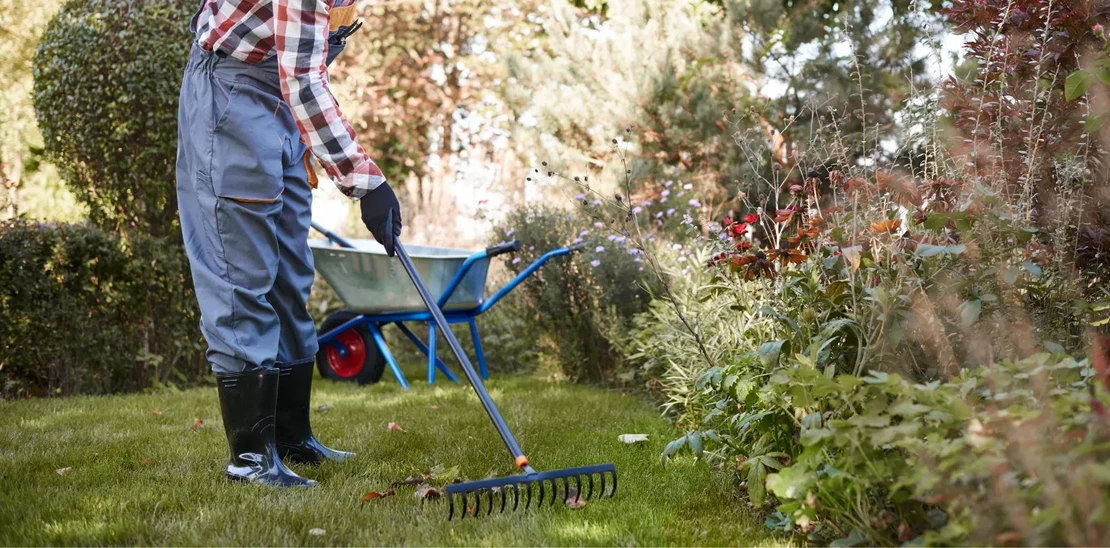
[369, 282]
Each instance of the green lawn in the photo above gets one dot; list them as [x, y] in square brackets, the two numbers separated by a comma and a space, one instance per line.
[138, 473]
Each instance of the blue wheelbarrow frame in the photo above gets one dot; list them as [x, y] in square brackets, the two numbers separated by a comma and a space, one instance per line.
[375, 322]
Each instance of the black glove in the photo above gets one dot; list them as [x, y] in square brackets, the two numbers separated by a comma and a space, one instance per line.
[382, 216]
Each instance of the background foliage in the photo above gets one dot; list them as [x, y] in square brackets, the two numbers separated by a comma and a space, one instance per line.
[84, 312]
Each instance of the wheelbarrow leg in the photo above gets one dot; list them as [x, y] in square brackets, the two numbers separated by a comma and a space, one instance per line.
[478, 349]
[380, 341]
[420, 345]
[431, 353]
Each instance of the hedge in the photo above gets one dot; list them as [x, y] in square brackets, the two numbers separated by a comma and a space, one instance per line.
[85, 311]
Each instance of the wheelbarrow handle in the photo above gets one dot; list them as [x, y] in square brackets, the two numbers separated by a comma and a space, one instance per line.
[471, 374]
[335, 238]
[502, 248]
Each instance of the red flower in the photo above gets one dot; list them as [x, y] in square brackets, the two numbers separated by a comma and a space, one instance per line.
[744, 245]
[738, 229]
[751, 218]
[727, 222]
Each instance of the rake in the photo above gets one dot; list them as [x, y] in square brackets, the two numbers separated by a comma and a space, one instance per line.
[522, 485]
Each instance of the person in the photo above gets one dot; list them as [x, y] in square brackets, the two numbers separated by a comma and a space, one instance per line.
[255, 108]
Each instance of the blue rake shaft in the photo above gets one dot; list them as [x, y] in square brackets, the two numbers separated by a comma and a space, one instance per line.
[530, 475]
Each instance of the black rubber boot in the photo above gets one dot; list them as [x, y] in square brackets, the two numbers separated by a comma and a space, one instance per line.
[295, 441]
[248, 401]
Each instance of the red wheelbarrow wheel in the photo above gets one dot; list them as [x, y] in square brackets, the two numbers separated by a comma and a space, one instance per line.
[352, 356]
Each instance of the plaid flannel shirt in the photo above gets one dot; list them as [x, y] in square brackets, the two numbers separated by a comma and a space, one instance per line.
[297, 32]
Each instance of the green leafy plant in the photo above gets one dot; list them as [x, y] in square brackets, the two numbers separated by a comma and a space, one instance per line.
[84, 312]
[106, 80]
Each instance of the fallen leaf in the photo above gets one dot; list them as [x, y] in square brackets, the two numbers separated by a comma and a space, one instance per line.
[316, 532]
[156, 412]
[1010, 538]
[62, 471]
[441, 473]
[197, 424]
[144, 460]
[427, 492]
[409, 481]
[435, 407]
[322, 408]
[632, 438]
[394, 427]
[376, 495]
[573, 500]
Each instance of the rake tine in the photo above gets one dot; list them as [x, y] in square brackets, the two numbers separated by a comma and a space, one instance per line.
[528, 489]
[516, 496]
[489, 510]
[555, 490]
[613, 493]
[451, 509]
[541, 482]
[577, 488]
[601, 493]
[462, 511]
[590, 493]
[504, 495]
[477, 502]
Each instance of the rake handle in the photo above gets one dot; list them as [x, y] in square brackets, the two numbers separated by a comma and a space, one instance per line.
[471, 375]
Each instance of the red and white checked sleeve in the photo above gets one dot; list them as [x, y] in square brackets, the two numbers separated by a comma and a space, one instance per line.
[300, 38]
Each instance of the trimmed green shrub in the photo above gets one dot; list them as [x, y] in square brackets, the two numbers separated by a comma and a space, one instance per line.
[84, 312]
[107, 76]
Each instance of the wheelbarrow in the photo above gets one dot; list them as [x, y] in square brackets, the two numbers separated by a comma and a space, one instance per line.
[377, 293]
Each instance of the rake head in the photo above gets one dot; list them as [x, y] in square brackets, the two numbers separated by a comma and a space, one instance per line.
[533, 487]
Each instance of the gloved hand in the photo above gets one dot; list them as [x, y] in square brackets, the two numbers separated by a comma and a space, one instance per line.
[382, 216]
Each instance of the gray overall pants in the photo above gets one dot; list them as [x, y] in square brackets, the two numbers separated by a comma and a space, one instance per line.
[245, 207]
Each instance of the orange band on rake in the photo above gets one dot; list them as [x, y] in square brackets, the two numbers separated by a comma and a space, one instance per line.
[521, 461]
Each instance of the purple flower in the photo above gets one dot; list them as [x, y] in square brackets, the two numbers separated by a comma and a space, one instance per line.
[600, 249]
[612, 237]
[510, 232]
[531, 248]
[666, 193]
[635, 251]
[668, 183]
[647, 203]
[659, 215]
[663, 200]
[682, 259]
[579, 197]
[516, 260]
[577, 241]
[598, 224]
[619, 239]
[584, 232]
[670, 212]
[595, 203]
[641, 269]
[676, 247]
[638, 260]
[636, 210]
[694, 203]
[687, 186]
[595, 263]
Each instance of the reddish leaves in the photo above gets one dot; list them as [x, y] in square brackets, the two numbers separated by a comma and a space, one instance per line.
[372, 495]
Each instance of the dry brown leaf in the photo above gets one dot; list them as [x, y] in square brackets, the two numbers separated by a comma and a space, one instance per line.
[409, 481]
[435, 407]
[573, 500]
[394, 427]
[376, 495]
[197, 424]
[156, 412]
[426, 492]
[144, 460]
[62, 471]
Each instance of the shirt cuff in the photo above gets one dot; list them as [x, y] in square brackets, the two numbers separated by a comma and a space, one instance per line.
[358, 183]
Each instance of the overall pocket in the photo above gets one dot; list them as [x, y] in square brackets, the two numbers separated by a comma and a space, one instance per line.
[247, 146]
